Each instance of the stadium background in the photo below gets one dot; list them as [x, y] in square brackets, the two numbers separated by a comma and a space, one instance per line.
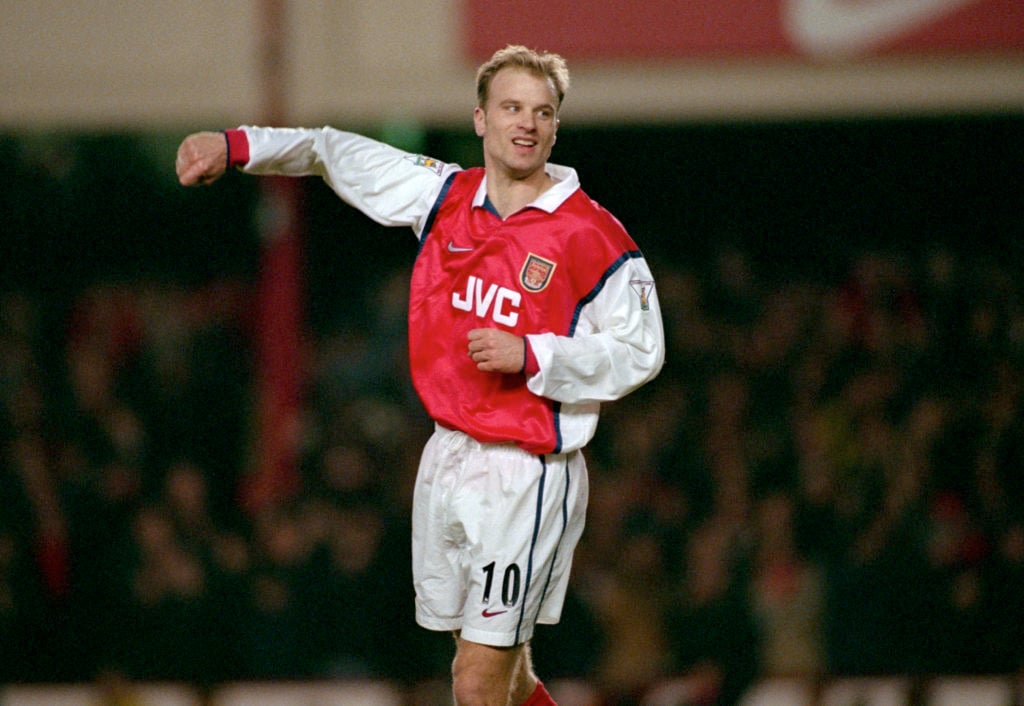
[838, 242]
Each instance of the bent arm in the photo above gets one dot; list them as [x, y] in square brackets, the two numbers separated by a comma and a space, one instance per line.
[619, 344]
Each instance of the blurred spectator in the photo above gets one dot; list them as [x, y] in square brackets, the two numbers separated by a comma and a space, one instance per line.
[357, 609]
[22, 612]
[712, 633]
[1001, 650]
[166, 619]
[274, 628]
[787, 594]
[628, 599]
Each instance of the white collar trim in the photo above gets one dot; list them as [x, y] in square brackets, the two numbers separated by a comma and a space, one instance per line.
[566, 182]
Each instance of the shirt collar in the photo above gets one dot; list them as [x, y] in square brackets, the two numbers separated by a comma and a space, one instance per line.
[566, 182]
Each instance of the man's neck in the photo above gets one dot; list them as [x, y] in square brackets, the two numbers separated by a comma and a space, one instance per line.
[508, 195]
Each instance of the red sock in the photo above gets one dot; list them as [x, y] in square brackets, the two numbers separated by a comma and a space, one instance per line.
[540, 697]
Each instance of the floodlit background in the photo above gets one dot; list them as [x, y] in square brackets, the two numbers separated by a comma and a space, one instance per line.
[208, 437]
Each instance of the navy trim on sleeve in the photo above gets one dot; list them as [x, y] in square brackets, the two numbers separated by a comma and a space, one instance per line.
[436, 207]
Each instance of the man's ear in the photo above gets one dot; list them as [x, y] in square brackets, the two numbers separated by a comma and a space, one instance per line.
[479, 121]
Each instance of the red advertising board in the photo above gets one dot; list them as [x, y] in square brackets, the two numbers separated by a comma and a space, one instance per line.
[604, 30]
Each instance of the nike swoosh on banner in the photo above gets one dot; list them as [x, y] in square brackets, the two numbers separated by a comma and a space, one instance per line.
[452, 247]
[845, 27]
[491, 614]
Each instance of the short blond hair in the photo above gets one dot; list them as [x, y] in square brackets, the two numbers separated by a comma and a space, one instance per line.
[544, 64]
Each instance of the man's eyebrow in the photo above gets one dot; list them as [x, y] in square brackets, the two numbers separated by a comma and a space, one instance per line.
[517, 101]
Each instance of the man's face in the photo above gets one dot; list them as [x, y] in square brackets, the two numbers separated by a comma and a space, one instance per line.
[518, 124]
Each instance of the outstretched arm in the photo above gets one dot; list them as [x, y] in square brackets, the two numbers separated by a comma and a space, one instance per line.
[202, 158]
[391, 186]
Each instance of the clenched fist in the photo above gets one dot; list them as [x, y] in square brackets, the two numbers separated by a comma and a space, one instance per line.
[497, 351]
[202, 158]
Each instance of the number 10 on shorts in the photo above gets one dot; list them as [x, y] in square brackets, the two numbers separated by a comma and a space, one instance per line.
[510, 583]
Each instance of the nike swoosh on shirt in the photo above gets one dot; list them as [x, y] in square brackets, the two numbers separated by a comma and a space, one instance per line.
[490, 614]
[845, 27]
[452, 247]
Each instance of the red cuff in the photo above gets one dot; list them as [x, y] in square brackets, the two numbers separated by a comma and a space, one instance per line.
[530, 365]
[238, 148]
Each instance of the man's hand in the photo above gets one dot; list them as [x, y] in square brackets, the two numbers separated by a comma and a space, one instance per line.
[496, 351]
[202, 158]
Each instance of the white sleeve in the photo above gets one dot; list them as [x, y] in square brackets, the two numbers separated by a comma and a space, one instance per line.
[618, 345]
[392, 187]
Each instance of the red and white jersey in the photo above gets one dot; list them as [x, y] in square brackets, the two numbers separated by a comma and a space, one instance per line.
[562, 272]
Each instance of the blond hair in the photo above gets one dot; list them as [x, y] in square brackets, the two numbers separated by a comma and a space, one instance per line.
[544, 64]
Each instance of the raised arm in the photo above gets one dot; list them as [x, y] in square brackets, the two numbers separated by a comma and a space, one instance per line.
[391, 186]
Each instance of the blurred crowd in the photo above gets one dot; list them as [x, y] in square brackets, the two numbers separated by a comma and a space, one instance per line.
[825, 480]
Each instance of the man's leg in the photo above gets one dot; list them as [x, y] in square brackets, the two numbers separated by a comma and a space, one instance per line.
[493, 676]
[527, 689]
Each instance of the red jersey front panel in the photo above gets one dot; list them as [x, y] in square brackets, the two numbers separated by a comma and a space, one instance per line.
[530, 273]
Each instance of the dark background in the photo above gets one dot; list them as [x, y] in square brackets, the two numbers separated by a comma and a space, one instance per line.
[798, 196]
[804, 201]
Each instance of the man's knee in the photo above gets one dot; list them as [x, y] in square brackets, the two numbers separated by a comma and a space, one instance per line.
[471, 688]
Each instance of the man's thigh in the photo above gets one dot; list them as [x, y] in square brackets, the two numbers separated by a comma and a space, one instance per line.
[494, 533]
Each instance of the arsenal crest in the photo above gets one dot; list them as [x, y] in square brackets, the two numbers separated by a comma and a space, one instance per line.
[536, 273]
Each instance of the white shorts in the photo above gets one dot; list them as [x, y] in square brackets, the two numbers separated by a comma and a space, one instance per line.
[493, 533]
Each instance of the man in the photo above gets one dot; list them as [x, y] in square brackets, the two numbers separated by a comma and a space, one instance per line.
[529, 306]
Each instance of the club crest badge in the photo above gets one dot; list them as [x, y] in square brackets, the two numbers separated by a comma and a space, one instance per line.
[536, 273]
[643, 288]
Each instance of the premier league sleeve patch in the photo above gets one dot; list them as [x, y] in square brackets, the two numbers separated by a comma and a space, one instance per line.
[430, 163]
[536, 273]
[642, 288]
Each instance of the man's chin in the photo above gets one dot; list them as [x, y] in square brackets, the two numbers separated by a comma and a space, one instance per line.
[521, 170]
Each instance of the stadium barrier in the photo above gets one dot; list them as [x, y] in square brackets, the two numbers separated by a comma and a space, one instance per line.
[860, 691]
[885, 691]
[142, 694]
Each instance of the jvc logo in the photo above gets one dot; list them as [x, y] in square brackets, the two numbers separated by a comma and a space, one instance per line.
[497, 302]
